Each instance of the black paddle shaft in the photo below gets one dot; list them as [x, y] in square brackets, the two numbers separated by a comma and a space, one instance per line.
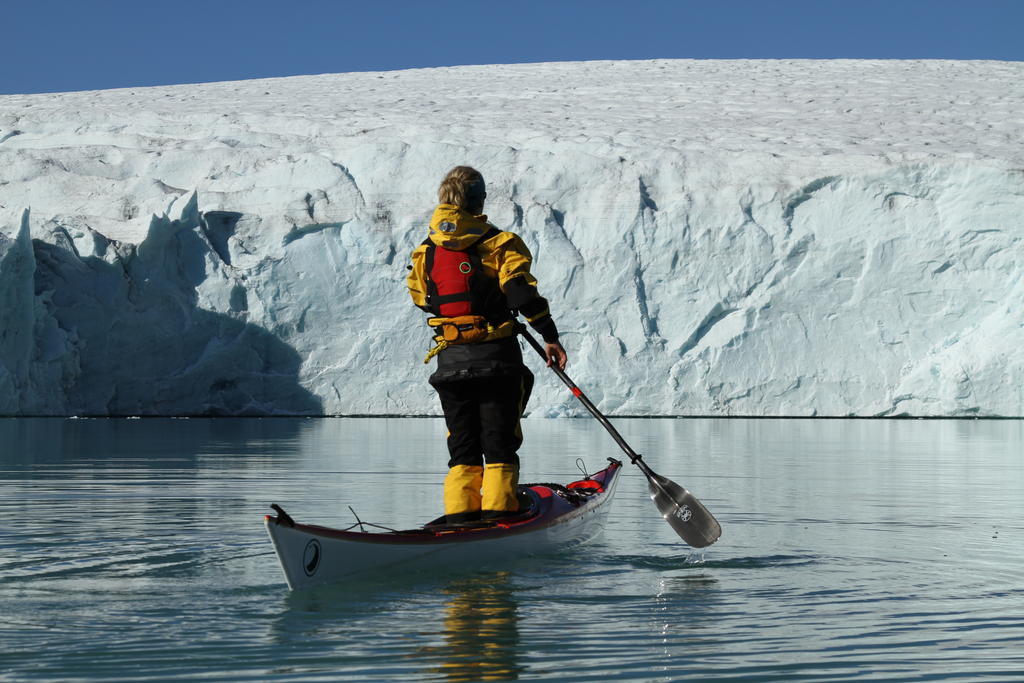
[578, 393]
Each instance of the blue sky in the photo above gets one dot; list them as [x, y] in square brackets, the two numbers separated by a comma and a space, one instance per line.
[53, 45]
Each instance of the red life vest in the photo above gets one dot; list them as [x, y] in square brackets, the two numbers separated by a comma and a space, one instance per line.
[457, 285]
[469, 304]
[451, 273]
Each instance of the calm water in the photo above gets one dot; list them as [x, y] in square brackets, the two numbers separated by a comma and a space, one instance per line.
[134, 549]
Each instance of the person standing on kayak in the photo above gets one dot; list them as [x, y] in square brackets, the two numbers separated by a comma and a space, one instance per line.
[473, 279]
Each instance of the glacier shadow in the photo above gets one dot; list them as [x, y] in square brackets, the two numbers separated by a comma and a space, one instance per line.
[77, 445]
[125, 335]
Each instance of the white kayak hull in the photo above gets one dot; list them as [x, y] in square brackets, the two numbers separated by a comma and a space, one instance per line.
[312, 555]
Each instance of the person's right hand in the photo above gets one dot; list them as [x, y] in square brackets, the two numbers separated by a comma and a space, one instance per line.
[556, 354]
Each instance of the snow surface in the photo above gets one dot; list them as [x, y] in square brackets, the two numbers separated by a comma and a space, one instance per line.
[715, 237]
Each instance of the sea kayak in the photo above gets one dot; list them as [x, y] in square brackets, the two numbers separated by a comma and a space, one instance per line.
[552, 517]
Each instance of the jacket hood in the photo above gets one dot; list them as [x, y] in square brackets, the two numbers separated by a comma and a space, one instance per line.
[453, 228]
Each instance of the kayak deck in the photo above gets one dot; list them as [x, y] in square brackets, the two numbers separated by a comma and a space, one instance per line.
[557, 516]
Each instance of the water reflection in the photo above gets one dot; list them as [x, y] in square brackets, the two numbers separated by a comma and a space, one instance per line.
[853, 550]
[129, 499]
[480, 630]
[465, 628]
[147, 443]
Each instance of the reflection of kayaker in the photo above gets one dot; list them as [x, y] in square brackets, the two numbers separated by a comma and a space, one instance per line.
[481, 630]
[473, 278]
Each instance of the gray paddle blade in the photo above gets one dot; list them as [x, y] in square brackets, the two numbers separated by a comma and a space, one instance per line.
[691, 520]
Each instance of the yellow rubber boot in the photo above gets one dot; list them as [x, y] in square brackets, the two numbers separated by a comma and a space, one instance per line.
[462, 493]
[499, 495]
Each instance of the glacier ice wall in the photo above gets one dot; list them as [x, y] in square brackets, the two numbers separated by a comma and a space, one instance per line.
[717, 238]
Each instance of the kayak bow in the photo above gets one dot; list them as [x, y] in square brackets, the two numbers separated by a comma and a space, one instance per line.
[553, 517]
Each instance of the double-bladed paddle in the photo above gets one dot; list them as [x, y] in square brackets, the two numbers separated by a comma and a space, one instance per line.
[685, 514]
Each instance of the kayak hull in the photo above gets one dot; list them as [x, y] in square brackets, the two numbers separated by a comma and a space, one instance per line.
[562, 517]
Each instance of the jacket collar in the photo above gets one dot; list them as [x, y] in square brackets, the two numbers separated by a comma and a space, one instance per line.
[453, 228]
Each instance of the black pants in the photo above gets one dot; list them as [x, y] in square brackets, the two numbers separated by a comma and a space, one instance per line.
[482, 414]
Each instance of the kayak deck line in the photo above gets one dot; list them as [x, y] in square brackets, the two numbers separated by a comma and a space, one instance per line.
[557, 516]
[455, 532]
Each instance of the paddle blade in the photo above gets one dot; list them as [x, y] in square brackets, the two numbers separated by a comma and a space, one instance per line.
[691, 520]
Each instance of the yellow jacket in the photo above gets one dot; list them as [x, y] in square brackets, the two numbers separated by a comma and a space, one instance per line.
[504, 259]
[503, 255]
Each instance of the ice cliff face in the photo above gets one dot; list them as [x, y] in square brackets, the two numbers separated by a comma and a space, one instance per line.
[728, 238]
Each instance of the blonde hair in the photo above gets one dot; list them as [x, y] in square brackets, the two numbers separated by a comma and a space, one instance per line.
[463, 187]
